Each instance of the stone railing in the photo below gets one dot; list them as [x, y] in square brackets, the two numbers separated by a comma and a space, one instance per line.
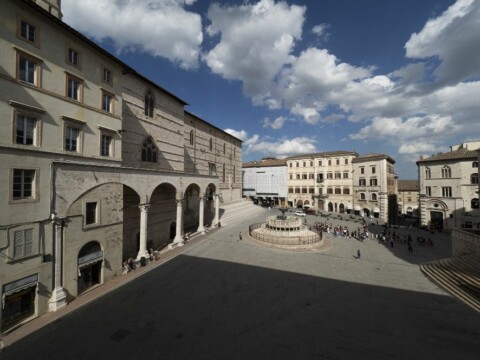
[465, 242]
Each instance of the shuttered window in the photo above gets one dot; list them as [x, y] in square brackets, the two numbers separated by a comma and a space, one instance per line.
[23, 243]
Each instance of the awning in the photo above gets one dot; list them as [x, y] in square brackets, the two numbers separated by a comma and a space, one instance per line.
[376, 210]
[348, 206]
[358, 208]
[90, 259]
[19, 285]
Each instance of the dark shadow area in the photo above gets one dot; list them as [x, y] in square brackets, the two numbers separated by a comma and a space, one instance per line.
[197, 308]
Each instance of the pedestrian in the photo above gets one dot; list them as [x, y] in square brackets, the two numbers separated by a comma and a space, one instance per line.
[240, 236]
[358, 254]
[410, 248]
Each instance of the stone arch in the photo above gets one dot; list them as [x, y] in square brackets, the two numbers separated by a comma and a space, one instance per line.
[191, 207]
[209, 208]
[341, 208]
[90, 261]
[299, 203]
[162, 212]
[330, 207]
[366, 212]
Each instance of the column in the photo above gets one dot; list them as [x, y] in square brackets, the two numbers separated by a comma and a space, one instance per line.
[217, 210]
[179, 228]
[201, 228]
[59, 297]
[143, 231]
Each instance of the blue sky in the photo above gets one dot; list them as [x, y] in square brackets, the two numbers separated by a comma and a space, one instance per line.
[292, 77]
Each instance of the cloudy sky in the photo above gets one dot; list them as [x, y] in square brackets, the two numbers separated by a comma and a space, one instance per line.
[292, 77]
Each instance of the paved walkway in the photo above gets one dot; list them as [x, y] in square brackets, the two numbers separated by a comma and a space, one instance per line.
[228, 298]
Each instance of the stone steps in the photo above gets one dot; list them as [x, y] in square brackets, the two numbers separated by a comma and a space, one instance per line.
[234, 212]
[459, 276]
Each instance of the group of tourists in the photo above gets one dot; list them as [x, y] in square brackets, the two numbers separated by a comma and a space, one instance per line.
[131, 263]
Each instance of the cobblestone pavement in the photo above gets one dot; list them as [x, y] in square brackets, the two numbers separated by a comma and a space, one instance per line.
[228, 298]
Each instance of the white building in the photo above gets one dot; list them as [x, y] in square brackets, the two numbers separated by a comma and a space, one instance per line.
[374, 182]
[99, 164]
[265, 181]
[408, 197]
[449, 188]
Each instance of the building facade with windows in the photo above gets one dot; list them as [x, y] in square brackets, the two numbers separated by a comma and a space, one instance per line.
[322, 180]
[408, 197]
[449, 188]
[265, 181]
[374, 182]
[97, 164]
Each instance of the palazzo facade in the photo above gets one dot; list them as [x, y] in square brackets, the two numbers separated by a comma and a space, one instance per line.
[99, 164]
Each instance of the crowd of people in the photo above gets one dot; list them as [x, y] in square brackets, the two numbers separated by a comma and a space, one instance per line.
[131, 264]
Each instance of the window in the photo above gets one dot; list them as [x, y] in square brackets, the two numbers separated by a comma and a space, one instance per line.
[304, 164]
[320, 191]
[345, 174]
[329, 191]
[107, 76]
[346, 161]
[329, 175]
[446, 191]
[338, 161]
[107, 102]
[362, 170]
[25, 127]
[28, 32]
[28, 69]
[475, 164]
[374, 169]
[23, 243]
[304, 190]
[105, 145]
[304, 176]
[311, 190]
[362, 196]
[73, 57]
[320, 177]
[474, 204]
[362, 182]
[338, 191]
[298, 176]
[338, 175]
[428, 173]
[149, 150]
[297, 190]
[290, 164]
[290, 190]
[223, 175]
[374, 197]
[474, 179]
[373, 182]
[291, 177]
[311, 163]
[72, 136]
[329, 162]
[320, 163]
[311, 176]
[212, 169]
[224, 148]
[149, 104]
[211, 144]
[409, 199]
[23, 184]
[346, 191]
[428, 190]
[296, 163]
[90, 213]
[74, 88]
[191, 137]
[446, 172]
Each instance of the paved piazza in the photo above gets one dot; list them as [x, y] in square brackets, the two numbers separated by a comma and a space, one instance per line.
[229, 299]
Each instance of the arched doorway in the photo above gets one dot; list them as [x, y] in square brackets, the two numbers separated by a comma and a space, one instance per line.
[299, 203]
[366, 212]
[163, 210]
[330, 207]
[341, 208]
[90, 259]
[436, 220]
[191, 208]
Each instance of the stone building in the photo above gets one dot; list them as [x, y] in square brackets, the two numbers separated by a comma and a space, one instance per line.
[449, 188]
[265, 181]
[374, 181]
[322, 180]
[408, 196]
[99, 164]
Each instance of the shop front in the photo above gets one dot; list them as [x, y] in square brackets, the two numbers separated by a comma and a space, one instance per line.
[18, 301]
[90, 260]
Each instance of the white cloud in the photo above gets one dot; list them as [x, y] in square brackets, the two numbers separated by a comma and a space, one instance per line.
[321, 31]
[242, 134]
[275, 124]
[453, 38]
[162, 28]
[255, 41]
[282, 147]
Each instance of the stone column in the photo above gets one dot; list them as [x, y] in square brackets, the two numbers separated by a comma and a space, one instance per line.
[217, 210]
[59, 297]
[143, 231]
[179, 228]
[201, 228]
